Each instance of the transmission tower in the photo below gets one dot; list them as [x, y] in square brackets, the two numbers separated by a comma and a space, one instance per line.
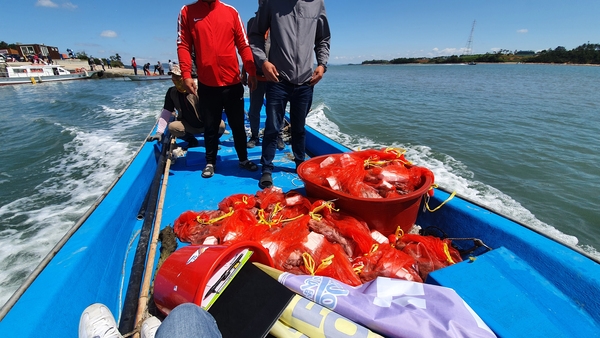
[469, 50]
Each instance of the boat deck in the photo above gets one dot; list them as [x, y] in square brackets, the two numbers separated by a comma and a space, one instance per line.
[528, 283]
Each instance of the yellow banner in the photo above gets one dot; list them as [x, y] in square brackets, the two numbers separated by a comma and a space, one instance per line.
[316, 321]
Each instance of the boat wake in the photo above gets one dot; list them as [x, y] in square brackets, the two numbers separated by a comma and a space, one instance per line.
[450, 174]
[72, 180]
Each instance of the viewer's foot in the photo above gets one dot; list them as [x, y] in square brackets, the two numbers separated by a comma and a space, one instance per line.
[149, 327]
[97, 321]
[266, 181]
[252, 142]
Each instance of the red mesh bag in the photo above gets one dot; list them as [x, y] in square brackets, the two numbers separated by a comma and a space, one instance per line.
[238, 226]
[237, 201]
[330, 260]
[366, 265]
[188, 229]
[285, 244]
[394, 263]
[354, 230]
[430, 253]
[269, 197]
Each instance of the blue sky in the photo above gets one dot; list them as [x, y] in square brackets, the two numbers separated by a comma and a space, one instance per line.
[361, 30]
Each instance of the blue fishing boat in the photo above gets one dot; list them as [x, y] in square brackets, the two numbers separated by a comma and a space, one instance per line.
[520, 282]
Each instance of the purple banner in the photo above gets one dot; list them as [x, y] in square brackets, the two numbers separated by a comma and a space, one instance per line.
[394, 307]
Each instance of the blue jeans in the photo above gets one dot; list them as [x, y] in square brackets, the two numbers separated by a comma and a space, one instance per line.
[188, 320]
[300, 99]
[257, 97]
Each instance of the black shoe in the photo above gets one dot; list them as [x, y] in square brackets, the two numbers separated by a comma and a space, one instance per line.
[280, 143]
[191, 140]
[248, 165]
[266, 181]
[192, 143]
[252, 142]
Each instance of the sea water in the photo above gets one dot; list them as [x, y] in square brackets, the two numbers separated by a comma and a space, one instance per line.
[520, 139]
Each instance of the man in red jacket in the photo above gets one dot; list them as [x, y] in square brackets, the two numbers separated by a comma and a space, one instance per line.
[213, 30]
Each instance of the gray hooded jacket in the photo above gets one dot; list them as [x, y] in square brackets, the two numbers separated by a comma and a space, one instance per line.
[297, 27]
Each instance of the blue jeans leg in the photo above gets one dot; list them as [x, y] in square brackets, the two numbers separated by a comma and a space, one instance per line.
[277, 94]
[188, 320]
[256, 102]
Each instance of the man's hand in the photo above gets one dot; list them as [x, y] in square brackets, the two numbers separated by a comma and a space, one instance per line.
[317, 75]
[190, 86]
[155, 137]
[270, 71]
[252, 82]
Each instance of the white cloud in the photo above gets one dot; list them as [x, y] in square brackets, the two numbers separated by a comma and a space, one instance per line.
[109, 34]
[50, 3]
[446, 52]
[522, 31]
[69, 5]
[46, 3]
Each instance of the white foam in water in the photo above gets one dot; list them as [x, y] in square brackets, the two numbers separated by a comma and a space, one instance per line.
[91, 162]
[449, 174]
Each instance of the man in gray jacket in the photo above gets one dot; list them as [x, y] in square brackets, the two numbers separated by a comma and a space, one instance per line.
[296, 29]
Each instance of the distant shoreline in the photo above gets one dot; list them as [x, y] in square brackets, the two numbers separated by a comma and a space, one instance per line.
[478, 63]
[73, 64]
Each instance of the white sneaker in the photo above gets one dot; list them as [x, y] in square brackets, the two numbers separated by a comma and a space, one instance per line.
[98, 322]
[149, 327]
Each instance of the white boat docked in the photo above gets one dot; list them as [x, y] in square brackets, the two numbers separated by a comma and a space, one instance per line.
[148, 77]
[40, 73]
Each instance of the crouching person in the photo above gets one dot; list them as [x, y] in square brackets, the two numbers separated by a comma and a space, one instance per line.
[184, 107]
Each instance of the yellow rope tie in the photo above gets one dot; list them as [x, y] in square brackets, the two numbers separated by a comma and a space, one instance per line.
[326, 262]
[398, 234]
[216, 219]
[264, 220]
[439, 206]
[276, 209]
[397, 151]
[310, 264]
[291, 219]
[244, 200]
[314, 214]
[370, 163]
[374, 248]
[358, 269]
[447, 252]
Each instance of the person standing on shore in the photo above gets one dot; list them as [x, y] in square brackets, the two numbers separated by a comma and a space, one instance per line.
[134, 65]
[295, 32]
[214, 30]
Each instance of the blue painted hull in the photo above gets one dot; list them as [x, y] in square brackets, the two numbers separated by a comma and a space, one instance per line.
[528, 286]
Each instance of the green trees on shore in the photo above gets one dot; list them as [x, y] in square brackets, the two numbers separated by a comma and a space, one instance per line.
[585, 54]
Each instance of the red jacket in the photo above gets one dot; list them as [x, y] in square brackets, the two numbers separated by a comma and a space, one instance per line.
[214, 30]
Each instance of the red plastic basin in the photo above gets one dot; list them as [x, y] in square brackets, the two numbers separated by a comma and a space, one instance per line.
[383, 215]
